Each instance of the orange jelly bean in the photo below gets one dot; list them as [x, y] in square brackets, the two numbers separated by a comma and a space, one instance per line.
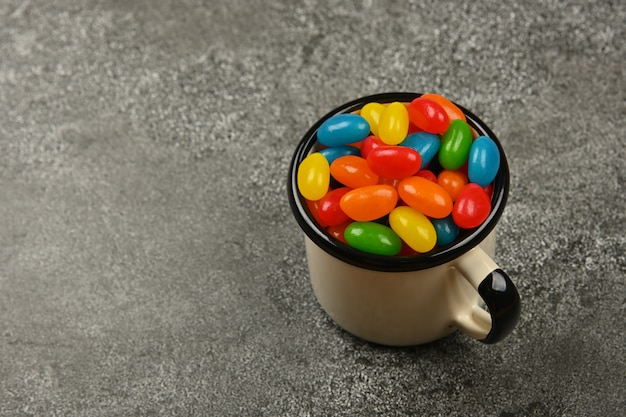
[452, 181]
[369, 203]
[353, 171]
[425, 196]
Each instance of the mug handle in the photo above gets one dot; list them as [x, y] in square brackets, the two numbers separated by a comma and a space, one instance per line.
[497, 291]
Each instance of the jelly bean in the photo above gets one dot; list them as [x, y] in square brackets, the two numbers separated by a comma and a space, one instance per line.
[452, 181]
[428, 115]
[338, 231]
[425, 196]
[413, 228]
[455, 145]
[373, 238]
[335, 152]
[446, 230]
[313, 176]
[329, 211]
[353, 171]
[372, 112]
[342, 129]
[406, 250]
[484, 161]
[463, 168]
[429, 175]
[370, 142]
[395, 162]
[474, 133]
[389, 181]
[394, 124]
[413, 128]
[489, 190]
[357, 145]
[426, 144]
[369, 203]
[450, 108]
[314, 210]
[472, 207]
[370, 182]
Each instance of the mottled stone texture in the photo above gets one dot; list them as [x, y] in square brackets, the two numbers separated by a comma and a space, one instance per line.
[149, 262]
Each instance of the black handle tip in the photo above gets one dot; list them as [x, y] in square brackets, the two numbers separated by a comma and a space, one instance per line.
[503, 301]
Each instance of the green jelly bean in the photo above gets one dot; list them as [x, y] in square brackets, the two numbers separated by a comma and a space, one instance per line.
[455, 145]
[373, 238]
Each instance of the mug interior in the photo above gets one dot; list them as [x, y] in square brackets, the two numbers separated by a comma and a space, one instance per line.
[466, 240]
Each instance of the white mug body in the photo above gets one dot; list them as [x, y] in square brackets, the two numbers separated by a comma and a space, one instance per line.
[395, 308]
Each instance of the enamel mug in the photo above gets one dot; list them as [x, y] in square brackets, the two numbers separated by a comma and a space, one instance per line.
[410, 300]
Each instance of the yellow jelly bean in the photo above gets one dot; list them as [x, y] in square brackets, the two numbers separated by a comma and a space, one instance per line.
[313, 176]
[372, 112]
[394, 124]
[413, 228]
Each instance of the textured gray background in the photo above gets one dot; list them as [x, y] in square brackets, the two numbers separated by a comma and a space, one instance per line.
[149, 263]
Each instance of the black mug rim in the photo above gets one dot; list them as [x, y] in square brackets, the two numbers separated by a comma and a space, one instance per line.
[375, 262]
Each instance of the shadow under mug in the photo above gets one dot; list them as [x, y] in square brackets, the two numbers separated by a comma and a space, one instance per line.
[410, 300]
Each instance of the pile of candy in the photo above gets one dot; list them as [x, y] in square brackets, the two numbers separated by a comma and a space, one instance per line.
[371, 185]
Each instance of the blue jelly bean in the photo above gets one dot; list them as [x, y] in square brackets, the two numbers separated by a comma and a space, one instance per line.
[446, 230]
[342, 129]
[484, 161]
[335, 152]
[426, 144]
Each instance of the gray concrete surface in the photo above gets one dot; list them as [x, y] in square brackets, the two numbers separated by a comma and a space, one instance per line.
[149, 263]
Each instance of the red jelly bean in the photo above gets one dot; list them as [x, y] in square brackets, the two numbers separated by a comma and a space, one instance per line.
[353, 171]
[338, 231]
[413, 128]
[450, 108]
[369, 143]
[329, 211]
[314, 210]
[394, 162]
[489, 190]
[472, 207]
[428, 115]
[425, 196]
[429, 175]
[407, 250]
[369, 203]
